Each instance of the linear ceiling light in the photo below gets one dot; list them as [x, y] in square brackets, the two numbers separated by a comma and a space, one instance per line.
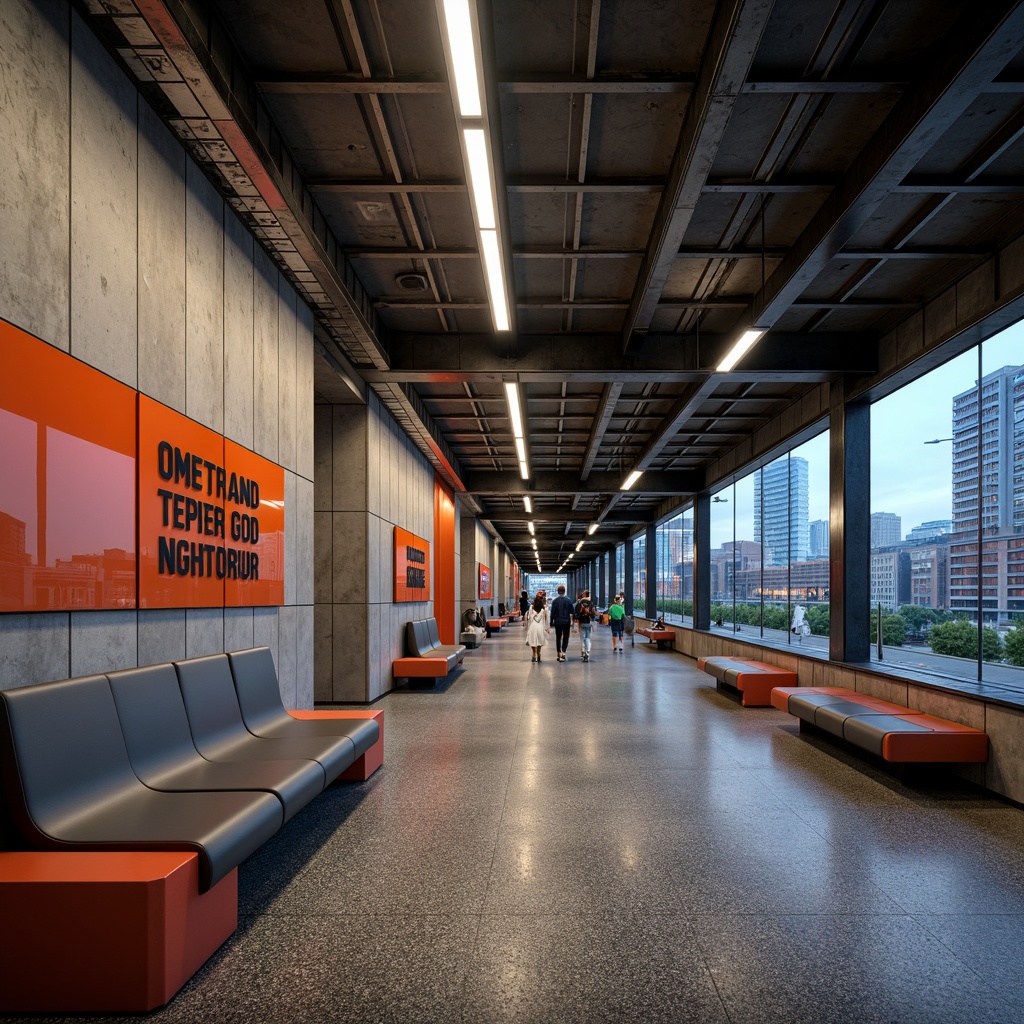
[530, 527]
[592, 529]
[515, 415]
[494, 272]
[462, 45]
[631, 479]
[580, 545]
[527, 505]
[480, 177]
[739, 350]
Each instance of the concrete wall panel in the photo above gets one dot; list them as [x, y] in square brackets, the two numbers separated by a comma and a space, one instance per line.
[265, 632]
[323, 457]
[304, 631]
[161, 635]
[286, 655]
[350, 459]
[103, 642]
[204, 631]
[304, 391]
[323, 652]
[238, 330]
[350, 561]
[204, 312]
[265, 368]
[34, 648]
[35, 190]
[290, 532]
[161, 262]
[286, 374]
[104, 203]
[349, 628]
[238, 629]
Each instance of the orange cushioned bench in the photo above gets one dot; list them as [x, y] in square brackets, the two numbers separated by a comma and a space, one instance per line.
[662, 637]
[889, 731]
[753, 680]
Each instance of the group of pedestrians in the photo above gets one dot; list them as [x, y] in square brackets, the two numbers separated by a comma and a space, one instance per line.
[539, 620]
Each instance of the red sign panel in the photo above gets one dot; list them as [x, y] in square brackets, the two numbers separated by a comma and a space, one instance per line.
[412, 567]
[67, 481]
[484, 590]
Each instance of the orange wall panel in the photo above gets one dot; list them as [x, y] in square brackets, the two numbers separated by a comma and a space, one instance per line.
[67, 481]
[444, 562]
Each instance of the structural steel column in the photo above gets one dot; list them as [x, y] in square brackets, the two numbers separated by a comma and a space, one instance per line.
[627, 583]
[651, 553]
[849, 516]
[702, 562]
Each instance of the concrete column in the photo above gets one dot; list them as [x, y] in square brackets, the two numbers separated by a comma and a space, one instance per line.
[849, 527]
[702, 562]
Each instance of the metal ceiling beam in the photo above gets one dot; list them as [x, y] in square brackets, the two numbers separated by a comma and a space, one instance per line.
[975, 52]
[435, 358]
[728, 56]
[352, 84]
[481, 483]
[602, 417]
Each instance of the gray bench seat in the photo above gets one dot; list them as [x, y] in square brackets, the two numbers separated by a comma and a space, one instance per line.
[159, 743]
[69, 785]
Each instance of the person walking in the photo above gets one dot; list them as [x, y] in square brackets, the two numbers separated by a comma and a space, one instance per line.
[616, 619]
[584, 615]
[562, 613]
[538, 626]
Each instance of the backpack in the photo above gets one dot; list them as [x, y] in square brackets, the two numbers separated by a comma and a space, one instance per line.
[584, 613]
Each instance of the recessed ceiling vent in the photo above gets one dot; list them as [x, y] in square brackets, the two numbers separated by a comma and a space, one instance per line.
[411, 282]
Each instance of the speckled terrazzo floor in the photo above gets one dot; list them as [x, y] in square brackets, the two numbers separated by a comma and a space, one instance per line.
[619, 842]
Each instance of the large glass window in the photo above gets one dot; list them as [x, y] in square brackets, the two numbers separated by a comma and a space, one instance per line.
[947, 482]
[675, 567]
[769, 550]
[640, 574]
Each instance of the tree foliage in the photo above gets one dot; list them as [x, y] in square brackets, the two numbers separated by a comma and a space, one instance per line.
[1014, 646]
[959, 639]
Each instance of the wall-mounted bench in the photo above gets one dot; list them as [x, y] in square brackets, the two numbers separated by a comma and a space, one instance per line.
[752, 680]
[888, 731]
[662, 637]
[129, 801]
[426, 658]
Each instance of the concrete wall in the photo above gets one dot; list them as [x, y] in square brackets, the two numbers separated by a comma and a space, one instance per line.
[117, 250]
[370, 479]
[476, 545]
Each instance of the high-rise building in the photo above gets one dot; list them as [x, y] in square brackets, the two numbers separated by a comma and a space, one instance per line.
[930, 531]
[817, 538]
[1000, 416]
[781, 510]
[885, 529]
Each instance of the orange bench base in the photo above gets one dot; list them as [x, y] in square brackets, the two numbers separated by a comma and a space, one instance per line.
[754, 680]
[658, 636]
[88, 932]
[420, 668]
[896, 734]
[367, 763]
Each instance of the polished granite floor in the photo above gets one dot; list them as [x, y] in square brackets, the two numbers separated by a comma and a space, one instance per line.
[617, 841]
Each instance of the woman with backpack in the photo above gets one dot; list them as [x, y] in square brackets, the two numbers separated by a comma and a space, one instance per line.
[584, 615]
[616, 619]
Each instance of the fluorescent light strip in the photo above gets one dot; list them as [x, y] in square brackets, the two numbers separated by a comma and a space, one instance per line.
[462, 45]
[524, 470]
[495, 273]
[631, 479]
[591, 529]
[580, 545]
[515, 412]
[739, 350]
[530, 526]
[480, 176]
[527, 505]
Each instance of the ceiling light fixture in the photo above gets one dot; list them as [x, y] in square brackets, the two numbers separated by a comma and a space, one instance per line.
[527, 505]
[462, 46]
[461, 34]
[592, 529]
[580, 545]
[515, 415]
[739, 350]
[529, 526]
[631, 479]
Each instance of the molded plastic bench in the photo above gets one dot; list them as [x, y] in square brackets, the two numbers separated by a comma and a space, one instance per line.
[70, 785]
[753, 680]
[427, 657]
[662, 637]
[889, 731]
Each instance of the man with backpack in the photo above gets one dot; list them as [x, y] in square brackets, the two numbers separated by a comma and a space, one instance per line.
[561, 619]
[585, 619]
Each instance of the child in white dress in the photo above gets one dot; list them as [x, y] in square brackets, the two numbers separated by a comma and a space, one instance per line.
[537, 626]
